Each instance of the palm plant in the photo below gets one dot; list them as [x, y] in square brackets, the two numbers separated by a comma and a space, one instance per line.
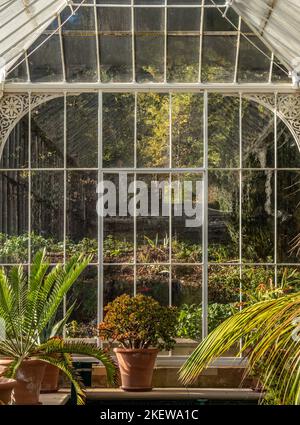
[270, 337]
[29, 304]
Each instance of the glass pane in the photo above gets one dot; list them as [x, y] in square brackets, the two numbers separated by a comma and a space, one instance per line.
[288, 216]
[118, 130]
[187, 130]
[183, 2]
[19, 74]
[150, 2]
[257, 136]
[279, 73]
[115, 44]
[223, 216]
[223, 131]
[187, 296]
[153, 231]
[47, 135]
[82, 130]
[113, 1]
[288, 153]
[83, 320]
[187, 287]
[217, 2]
[82, 218]
[149, 44]
[257, 281]
[47, 213]
[223, 295]
[118, 225]
[13, 217]
[253, 67]
[214, 21]
[79, 41]
[258, 216]
[187, 218]
[218, 58]
[154, 281]
[45, 63]
[183, 45]
[117, 280]
[14, 153]
[153, 130]
[288, 278]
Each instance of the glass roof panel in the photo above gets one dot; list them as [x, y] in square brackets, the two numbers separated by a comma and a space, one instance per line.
[45, 63]
[80, 45]
[114, 41]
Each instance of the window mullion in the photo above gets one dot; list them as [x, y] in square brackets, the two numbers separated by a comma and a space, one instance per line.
[205, 223]
[100, 302]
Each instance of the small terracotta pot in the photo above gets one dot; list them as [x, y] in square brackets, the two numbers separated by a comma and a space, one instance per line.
[50, 380]
[29, 379]
[6, 388]
[136, 368]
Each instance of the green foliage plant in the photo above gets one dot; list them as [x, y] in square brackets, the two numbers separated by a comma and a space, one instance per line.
[28, 304]
[139, 322]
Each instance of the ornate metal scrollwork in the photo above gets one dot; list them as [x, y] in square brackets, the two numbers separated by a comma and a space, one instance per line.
[287, 107]
[14, 106]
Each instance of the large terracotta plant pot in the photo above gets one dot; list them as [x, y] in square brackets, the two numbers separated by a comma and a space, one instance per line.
[6, 388]
[136, 368]
[29, 380]
[50, 380]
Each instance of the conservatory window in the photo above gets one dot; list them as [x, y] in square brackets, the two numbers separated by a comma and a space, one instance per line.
[154, 90]
[49, 175]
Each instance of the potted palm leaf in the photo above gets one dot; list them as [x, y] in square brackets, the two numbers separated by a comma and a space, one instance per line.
[27, 305]
[141, 327]
[270, 331]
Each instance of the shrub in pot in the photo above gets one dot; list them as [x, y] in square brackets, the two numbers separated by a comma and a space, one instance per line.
[27, 306]
[141, 327]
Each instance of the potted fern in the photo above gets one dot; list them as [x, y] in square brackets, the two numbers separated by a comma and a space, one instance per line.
[27, 306]
[141, 327]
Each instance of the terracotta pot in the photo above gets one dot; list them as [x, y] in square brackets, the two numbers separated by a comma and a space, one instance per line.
[6, 388]
[29, 379]
[4, 362]
[50, 380]
[136, 368]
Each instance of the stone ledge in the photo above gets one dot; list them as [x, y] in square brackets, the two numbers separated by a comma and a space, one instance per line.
[55, 399]
[167, 377]
[175, 394]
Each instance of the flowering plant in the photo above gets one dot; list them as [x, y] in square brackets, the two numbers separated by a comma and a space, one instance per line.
[139, 322]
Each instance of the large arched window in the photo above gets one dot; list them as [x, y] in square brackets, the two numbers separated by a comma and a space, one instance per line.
[160, 93]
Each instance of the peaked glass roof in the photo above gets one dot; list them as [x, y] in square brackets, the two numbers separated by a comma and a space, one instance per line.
[114, 41]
